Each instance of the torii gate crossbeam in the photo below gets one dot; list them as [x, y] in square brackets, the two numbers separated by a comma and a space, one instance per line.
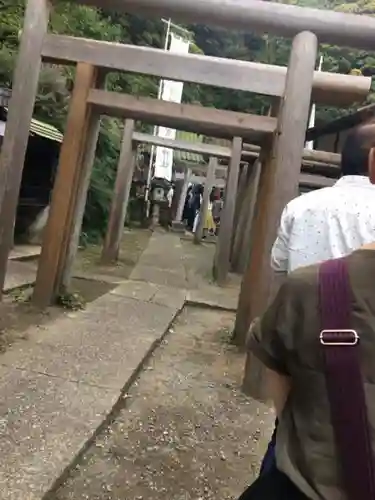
[337, 28]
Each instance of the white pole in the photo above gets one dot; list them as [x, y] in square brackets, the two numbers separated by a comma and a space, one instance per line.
[152, 153]
[310, 145]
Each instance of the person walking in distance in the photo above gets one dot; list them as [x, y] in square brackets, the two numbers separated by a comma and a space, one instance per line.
[217, 207]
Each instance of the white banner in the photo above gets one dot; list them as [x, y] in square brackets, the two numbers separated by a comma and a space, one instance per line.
[172, 92]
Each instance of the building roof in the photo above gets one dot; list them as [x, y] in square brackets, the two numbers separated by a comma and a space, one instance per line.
[42, 129]
[37, 127]
[345, 122]
[182, 156]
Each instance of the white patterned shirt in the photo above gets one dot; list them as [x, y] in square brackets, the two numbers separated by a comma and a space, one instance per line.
[325, 224]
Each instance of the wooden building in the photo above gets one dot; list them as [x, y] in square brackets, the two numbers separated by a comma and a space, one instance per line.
[39, 170]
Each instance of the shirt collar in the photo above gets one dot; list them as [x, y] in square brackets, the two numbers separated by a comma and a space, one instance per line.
[354, 180]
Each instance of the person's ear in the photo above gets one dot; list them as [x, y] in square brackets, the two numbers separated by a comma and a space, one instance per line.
[371, 165]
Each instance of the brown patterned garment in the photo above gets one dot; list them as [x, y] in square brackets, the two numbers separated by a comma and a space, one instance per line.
[286, 340]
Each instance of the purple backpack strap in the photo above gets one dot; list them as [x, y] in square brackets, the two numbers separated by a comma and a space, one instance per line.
[345, 386]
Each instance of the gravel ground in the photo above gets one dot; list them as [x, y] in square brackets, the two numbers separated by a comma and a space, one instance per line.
[185, 432]
[133, 243]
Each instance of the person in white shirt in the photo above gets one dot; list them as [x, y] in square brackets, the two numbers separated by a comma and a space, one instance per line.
[330, 222]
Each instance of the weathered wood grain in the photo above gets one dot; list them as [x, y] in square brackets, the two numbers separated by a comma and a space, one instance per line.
[278, 182]
[69, 178]
[223, 246]
[198, 119]
[21, 106]
[120, 197]
[336, 28]
[328, 88]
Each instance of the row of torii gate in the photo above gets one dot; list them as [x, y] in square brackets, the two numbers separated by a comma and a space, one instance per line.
[240, 164]
[267, 185]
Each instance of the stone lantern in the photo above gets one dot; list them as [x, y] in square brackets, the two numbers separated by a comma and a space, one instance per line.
[159, 191]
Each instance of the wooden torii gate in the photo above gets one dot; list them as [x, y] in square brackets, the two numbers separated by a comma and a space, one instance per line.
[213, 152]
[283, 135]
[122, 189]
[185, 117]
[124, 179]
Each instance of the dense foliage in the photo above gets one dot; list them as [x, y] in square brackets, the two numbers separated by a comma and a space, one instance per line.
[55, 82]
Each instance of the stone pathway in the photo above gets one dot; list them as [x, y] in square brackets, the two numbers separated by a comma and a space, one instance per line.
[25, 252]
[186, 431]
[59, 386]
[21, 271]
[19, 274]
[172, 262]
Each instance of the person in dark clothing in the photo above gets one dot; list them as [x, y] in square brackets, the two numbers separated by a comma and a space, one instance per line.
[213, 194]
[188, 214]
[194, 203]
[197, 197]
[185, 213]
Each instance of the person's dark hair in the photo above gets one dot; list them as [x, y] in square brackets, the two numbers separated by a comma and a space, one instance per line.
[356, 149]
